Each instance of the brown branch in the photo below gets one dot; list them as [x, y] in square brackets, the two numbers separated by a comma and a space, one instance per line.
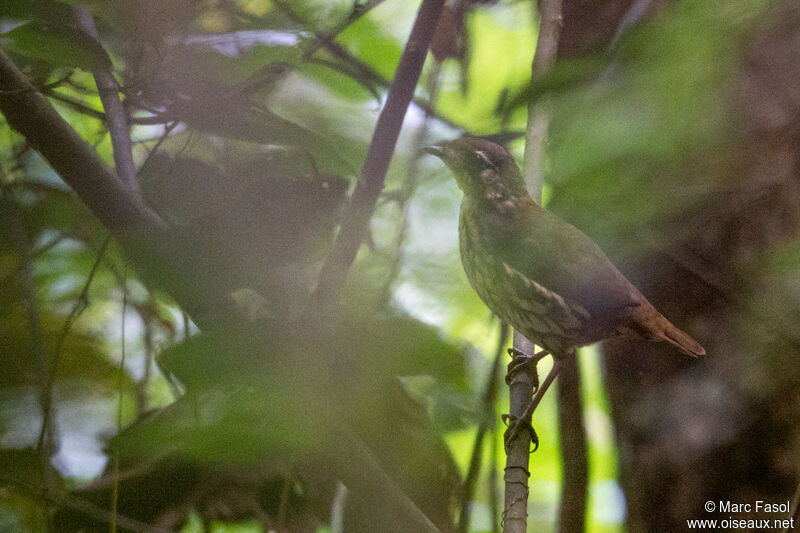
[572, 510]
[116, 117]
[372, 76]
[515, 516]
[78, 106]
[520, 390]
[145, 237]
[29, 113]
[407, 190]
[538, 109]
[373, 173]
[361, 472]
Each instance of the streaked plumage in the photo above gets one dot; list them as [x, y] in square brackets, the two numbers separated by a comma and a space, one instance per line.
[537, 272]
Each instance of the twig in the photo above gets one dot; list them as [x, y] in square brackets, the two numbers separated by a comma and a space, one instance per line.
[144, 383]
[44, 448]
[116, 117]
[373, 173]
[494, 486]
[52, 371]
[76, 105]
[368, 75]
[485, 425]
[33, 255]
[538, 109]
[28, 112]
[515, 516]
[408, 188]
[120, 380]
[86, 507]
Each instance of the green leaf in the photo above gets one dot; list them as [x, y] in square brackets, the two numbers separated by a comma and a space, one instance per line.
[60, 45]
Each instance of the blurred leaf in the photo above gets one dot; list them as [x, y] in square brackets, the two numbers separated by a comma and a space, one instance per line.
[53, 11]
[81, 358]
[21, 508]
[367, 40]
[505, 49]
[59, 45]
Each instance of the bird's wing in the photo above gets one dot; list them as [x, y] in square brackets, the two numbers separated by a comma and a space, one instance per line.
[559, 259]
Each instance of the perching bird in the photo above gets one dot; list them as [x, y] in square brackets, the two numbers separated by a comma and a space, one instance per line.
[537, 272]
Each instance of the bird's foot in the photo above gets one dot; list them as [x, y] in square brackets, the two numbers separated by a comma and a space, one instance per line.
[519, 360]
[514, 426]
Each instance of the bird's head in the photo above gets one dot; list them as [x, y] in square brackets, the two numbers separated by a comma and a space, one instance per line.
[484, 171]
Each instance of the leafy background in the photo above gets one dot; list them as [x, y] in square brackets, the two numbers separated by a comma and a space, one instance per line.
[673, 143]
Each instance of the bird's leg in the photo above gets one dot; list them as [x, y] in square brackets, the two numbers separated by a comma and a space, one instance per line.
[515, 423]
[520, 360]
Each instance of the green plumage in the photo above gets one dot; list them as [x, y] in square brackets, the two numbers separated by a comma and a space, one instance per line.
[537, 272]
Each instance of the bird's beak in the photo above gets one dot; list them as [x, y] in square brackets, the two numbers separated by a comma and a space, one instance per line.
[434, 150]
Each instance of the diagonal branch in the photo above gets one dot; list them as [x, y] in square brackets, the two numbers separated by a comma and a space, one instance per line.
[116, 117]
[373, 173]
[29, 113]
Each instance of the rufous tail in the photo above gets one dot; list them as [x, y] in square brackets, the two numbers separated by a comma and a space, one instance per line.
[681, 340]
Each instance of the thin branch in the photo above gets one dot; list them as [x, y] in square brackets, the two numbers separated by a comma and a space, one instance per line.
[539, 110]
[74, 104]
[515, 515]
[19, 237]
[116, 116]
[407, 191]
[325, 39]
[494, 485]
[361, 472]
[360, 71]
[33, 255]
[83, 506]
[485, 425]
[120, 381]
[28, 112]
[52, 371]
[144, 384]
[373, 173]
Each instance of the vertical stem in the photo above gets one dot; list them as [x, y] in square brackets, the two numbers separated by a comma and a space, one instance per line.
[116, 117]
[120, 376]
[515, 515]
[144, 383]
[494, 485]
[572, 510]
[520, 390]
[44, 446]
[550, 22]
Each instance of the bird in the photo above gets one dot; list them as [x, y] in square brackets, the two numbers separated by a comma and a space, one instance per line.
[537, 272]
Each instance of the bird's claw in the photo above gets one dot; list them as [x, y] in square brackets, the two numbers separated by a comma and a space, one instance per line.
[519, 360]
[514, 425]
